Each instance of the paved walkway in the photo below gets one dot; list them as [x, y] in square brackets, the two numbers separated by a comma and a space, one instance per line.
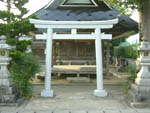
[77, 98]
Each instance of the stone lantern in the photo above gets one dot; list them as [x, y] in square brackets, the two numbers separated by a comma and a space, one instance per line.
[143, 77]
[7, 95]
[140, 91]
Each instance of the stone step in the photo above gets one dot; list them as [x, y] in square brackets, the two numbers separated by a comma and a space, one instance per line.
[119, 74]
[78, 79]
[115, 82]
[92, 82]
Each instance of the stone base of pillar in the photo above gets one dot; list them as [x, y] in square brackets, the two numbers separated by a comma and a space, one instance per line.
[8, 96]
[143, 82]
[139, 96]
[45, 93]
[100, 93]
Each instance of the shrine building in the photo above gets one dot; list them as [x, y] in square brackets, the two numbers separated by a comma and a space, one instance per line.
[73, 32]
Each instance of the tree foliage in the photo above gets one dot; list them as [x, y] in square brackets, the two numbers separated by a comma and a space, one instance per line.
[23, 65]
[128, 6]
[8, 15]
[133, 4]
[126, 51]
[143, 7]
[16, 29]
[14, 25]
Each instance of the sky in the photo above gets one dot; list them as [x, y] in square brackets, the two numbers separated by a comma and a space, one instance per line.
[34, 5]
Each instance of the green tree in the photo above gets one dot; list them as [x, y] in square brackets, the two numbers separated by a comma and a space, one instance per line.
[143, 7]
[8, 15]
[23, 65]
[14, 25]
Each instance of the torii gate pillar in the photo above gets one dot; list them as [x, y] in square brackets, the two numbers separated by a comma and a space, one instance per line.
[99, 92]
[48, 92]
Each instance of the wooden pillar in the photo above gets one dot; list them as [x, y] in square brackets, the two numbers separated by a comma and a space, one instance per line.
[54, 53]
[103, 55]
[107, 59]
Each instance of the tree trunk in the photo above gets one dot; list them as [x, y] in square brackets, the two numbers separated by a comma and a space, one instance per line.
[8, 9]
[144, 21]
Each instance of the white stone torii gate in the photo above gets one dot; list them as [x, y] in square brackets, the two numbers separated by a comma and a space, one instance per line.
[74, 25]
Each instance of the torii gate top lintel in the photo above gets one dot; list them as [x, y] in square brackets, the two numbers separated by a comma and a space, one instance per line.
[73, 24]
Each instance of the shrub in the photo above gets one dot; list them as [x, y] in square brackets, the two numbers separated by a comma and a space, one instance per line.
[132, 70]
[23, 69]
[125, 52]
[23, 66]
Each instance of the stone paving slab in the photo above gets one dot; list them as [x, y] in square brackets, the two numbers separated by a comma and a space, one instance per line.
[95, 111]
[112, 111]
[129, 111]
[72, 104]
[75, 111]
[76, 99]
[143, 110]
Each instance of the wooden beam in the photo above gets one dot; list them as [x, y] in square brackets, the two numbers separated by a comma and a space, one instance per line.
[124, 34]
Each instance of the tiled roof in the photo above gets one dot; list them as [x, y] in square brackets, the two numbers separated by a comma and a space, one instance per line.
[55, 13]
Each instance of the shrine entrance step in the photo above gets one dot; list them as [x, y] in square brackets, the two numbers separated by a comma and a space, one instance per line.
[78, 79]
